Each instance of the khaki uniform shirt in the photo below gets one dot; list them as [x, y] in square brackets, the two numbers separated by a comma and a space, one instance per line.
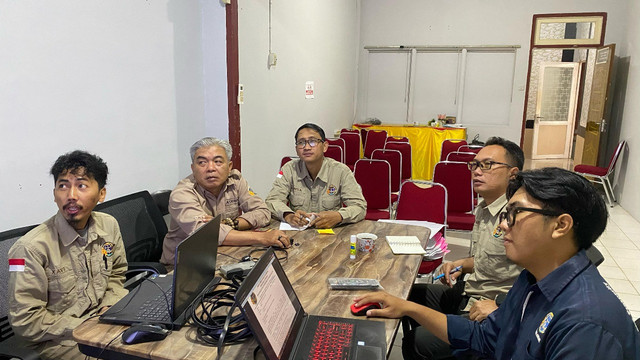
[190, 202]
[334, 186]
[493, 273]
[66, 278]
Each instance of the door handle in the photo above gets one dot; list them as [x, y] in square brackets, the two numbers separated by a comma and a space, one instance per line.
[603, 125]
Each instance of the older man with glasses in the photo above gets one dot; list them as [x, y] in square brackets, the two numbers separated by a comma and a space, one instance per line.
[560, 307]
[491, 274]
[312, 190]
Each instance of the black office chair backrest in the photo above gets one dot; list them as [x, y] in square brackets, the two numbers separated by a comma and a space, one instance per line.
[141, 225]
[7, 239]
[161, 198]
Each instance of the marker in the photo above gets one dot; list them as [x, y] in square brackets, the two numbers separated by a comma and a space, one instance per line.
[454, 270]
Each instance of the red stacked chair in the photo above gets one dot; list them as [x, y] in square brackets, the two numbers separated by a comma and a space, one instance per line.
[601, 175]
[402, 139]
[456, 177]
[461, 156]
[334, 152]
[375, 140]
[374, 176]
[450, 145]
[394, 158]
[352, 148]
[423, 204]
[405, 150]
[340, 143]
[470, 148]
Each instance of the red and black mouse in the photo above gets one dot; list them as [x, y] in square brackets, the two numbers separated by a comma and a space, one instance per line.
[362, 310]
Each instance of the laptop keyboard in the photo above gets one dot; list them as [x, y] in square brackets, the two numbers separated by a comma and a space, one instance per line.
[155, 309]
[332, 340]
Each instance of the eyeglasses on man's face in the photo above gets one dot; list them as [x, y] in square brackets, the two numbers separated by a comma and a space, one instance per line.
[484, 165]
[510, 214]
[312, 142]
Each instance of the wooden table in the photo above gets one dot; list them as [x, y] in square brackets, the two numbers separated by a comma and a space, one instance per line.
[309, 265]
[426, 144]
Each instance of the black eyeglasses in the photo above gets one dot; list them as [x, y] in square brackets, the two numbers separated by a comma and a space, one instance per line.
[510, 214]
[312, 142]
[484, 165]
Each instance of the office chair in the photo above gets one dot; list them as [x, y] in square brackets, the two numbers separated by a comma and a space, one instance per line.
[10, 346]
[142, 227]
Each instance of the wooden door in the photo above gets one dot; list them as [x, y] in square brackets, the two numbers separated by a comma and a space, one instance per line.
[597, 119]
[555, 110]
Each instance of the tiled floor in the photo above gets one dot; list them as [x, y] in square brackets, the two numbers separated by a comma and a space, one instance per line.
[619, 244]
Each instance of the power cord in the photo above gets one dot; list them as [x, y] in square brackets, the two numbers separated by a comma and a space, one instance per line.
[220, 330]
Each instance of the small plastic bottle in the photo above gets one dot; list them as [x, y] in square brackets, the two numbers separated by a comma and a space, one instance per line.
[352, 247]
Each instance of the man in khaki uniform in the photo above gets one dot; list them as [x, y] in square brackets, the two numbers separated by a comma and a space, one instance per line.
[213, 188]
[491, 273]
[315, 185]
[72, 266]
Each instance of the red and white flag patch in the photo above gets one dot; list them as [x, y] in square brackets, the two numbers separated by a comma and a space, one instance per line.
[279, 174]
[16, 265]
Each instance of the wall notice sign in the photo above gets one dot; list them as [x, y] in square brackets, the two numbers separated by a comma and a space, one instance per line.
[308, 93]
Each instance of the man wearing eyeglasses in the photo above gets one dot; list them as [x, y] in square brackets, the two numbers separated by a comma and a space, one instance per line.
[491, 273]
[311, 190]
[559, 307]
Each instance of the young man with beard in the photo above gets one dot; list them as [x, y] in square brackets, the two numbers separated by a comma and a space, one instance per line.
[72, 266]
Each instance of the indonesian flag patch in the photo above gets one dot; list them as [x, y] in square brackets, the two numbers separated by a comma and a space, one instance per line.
[279, 174]
[16, 265]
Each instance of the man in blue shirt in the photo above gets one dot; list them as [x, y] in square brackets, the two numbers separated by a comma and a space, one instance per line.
[559, 307]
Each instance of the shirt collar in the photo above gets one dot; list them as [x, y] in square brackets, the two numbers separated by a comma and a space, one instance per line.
[232, 179]
[322, 174]
[68, 234]
[552, 284]
[496, 206]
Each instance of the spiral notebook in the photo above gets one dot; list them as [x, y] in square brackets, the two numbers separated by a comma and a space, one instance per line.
[405, 245]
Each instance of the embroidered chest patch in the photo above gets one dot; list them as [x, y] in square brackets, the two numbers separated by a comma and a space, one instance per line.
[498, 232]
[107, 249]
[332, 190]
[544, 325]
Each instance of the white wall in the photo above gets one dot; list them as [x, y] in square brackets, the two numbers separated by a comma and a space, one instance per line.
[470, 22]
[628, 194]
[314, 41]
[120, 78]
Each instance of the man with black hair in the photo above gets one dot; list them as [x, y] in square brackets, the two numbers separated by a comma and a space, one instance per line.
[559, 307]
[72, 266]
[315, 185]
[491, 273]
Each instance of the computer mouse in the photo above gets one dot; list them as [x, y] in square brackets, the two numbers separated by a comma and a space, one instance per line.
[362, 310]
[140, 333]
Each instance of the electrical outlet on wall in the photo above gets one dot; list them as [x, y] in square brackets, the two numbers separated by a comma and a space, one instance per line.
[240, 94]
[272, 60]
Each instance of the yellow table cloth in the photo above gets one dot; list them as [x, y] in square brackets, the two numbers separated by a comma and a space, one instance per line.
[426, 143]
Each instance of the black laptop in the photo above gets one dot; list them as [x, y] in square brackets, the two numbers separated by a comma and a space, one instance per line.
[194, 273]
[285, 331]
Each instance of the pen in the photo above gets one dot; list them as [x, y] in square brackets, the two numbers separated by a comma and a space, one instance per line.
[454, 270]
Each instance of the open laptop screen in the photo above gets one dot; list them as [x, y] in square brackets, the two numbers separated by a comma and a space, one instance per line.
[195, 265]
[272, 308]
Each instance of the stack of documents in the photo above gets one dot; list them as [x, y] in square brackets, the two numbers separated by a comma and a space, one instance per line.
[436, 247]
